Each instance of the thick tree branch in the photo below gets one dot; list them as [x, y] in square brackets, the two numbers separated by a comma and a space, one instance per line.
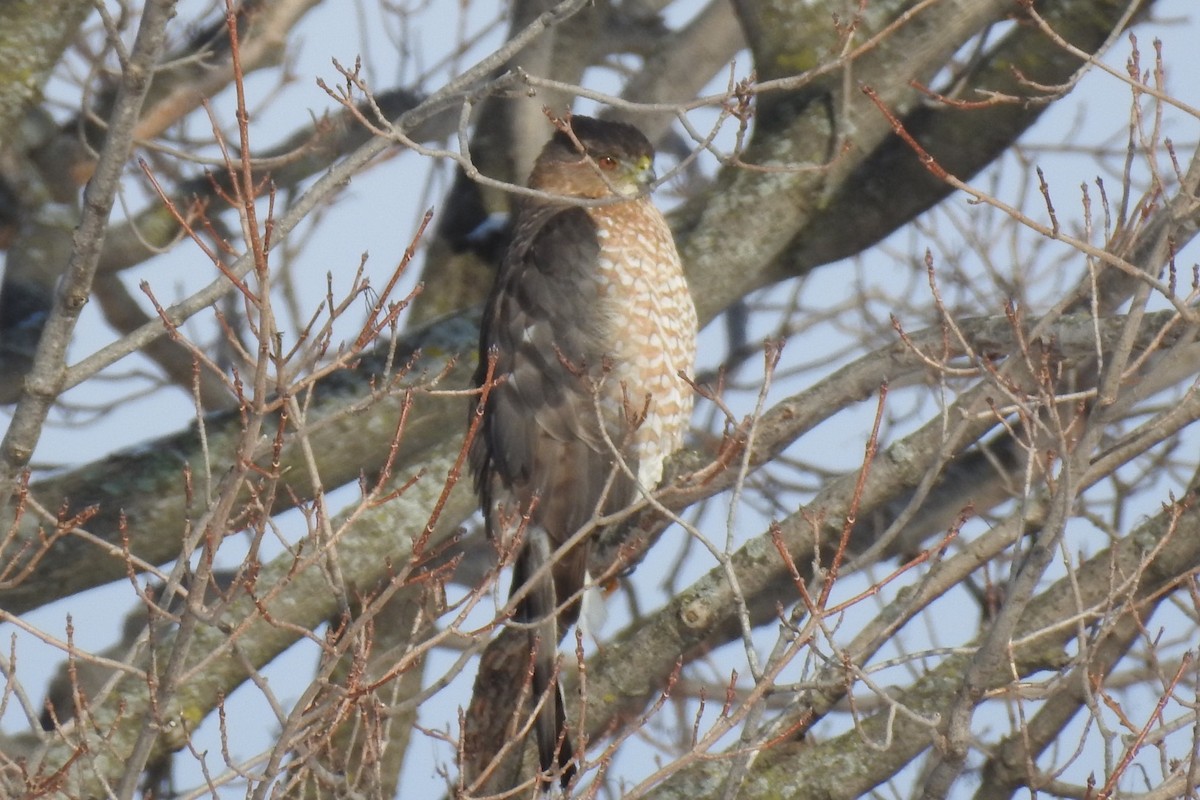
[264, 617]
[1136, 569]
[139, 496]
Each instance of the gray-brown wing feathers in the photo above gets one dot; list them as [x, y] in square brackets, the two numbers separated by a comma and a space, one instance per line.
[541, 430]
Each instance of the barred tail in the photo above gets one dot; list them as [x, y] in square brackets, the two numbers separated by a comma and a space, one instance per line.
[537, 609]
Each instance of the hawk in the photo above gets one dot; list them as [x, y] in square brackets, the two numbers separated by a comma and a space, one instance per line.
[587, 331]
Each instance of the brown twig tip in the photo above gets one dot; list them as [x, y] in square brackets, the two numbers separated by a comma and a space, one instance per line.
[898, 127]
[992, 98]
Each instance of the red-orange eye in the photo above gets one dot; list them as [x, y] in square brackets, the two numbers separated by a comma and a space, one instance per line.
[607, 163]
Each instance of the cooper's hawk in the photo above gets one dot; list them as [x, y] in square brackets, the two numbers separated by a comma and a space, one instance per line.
[590, 324]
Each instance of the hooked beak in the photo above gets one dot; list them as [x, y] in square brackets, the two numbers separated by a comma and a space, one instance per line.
[637, 178]
[644, 171]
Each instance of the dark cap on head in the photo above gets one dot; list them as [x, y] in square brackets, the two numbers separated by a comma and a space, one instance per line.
[601, 137]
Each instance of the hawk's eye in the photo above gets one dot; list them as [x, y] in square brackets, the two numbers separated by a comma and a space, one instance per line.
[607, 163]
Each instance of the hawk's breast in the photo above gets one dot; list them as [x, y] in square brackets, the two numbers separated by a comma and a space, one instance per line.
[652, 328]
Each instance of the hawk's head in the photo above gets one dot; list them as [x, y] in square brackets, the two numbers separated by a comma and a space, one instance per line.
[594, 159]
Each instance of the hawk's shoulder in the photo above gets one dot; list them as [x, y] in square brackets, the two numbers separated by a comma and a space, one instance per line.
[557, 240]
